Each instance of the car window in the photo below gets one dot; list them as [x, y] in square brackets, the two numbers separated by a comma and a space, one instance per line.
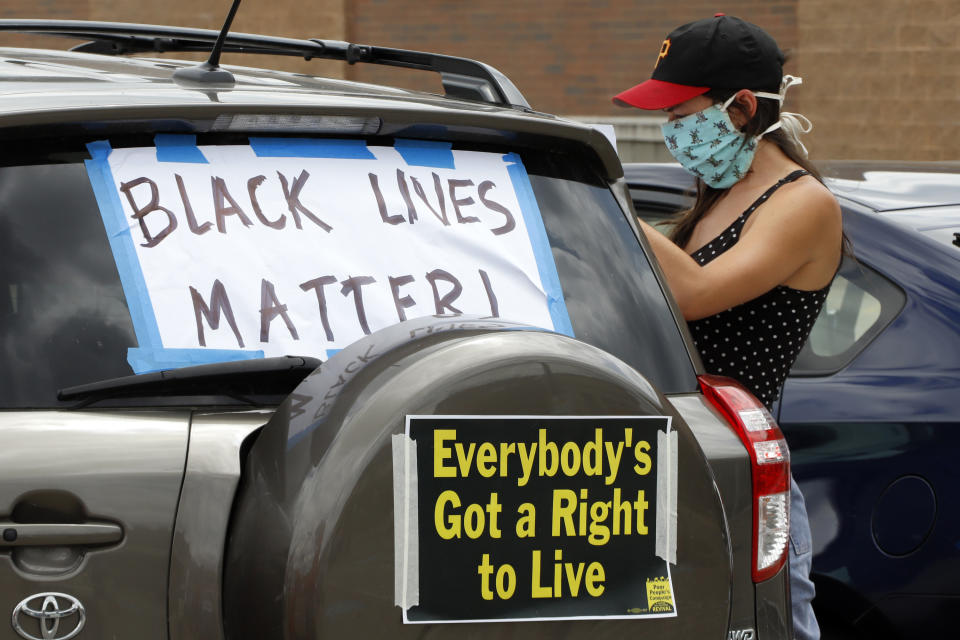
[860, 304]
[614, 300]
[65, 319]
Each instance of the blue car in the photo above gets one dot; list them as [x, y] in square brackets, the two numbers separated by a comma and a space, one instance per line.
[872, 405]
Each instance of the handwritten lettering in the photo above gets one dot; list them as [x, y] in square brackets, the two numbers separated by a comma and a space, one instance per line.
[140, 212]
[219, 303]
[275, 305]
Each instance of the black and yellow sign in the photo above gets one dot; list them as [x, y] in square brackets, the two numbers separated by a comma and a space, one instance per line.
[523, 518]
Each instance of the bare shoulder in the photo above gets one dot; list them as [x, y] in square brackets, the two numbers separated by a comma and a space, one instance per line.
[815, 195]
[802, 230]
[803, 205]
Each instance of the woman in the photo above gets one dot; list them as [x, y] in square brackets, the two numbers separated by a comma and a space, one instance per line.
[750, 264]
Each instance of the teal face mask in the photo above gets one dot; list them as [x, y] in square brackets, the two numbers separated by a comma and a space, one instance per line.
[708, 145]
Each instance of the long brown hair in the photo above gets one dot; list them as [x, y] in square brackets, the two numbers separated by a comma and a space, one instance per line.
[768, 112]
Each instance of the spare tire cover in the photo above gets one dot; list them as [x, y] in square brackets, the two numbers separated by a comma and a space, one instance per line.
[310, 552]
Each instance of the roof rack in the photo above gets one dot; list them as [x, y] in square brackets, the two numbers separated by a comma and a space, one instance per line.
[461, 77]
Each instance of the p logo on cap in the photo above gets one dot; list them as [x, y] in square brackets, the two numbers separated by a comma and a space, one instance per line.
[664, 48]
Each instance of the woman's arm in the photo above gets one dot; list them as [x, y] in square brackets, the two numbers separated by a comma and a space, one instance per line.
[791, 238]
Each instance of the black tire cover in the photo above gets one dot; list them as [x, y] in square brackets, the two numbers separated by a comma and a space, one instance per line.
[310, 552]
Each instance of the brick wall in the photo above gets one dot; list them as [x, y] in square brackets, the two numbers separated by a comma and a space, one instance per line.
[314, 19]
[566, 56]
[881, 77]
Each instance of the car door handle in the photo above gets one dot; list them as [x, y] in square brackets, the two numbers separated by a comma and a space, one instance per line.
[18, 534]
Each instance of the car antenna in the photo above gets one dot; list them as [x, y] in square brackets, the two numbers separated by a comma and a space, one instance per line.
[209, 72]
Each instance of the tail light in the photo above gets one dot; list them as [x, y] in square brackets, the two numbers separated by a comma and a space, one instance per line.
[770, 467]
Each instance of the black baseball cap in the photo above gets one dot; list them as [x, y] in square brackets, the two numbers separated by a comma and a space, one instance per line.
[722, 52]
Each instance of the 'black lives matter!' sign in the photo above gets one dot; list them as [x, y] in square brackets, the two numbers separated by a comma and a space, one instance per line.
[521, 518]
[305, 245]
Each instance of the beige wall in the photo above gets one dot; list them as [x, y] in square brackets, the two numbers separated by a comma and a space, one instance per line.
[881, 78]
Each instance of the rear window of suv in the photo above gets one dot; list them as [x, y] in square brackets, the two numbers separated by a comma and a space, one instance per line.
[66, 320]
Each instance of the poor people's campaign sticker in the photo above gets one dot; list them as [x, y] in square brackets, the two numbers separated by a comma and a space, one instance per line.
[303, 245]
[528, 518]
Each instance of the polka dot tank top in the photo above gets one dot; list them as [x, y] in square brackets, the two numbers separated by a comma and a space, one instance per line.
[756, 342]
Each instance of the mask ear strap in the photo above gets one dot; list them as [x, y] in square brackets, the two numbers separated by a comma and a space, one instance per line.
[785, 83]
[728, 102]
[793, 124]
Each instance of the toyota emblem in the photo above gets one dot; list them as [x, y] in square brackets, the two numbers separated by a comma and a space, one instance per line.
[49, 616]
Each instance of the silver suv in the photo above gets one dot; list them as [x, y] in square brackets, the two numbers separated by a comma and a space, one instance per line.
[285, 356]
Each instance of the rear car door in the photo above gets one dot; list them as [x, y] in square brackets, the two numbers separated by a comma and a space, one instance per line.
[87, 497]
[87, 500]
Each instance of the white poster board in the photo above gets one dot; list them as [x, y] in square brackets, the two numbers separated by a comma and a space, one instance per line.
[302, 246]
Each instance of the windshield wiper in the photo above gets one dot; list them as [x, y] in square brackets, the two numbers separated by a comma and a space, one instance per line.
[237, 379]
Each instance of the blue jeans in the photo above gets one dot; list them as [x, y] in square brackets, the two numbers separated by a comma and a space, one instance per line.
[805, 625]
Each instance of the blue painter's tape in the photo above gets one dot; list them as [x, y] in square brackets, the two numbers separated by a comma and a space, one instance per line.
[311, 148]
[541, 245]
[150, 360]
[426, 153]
[332, 352]
[121, 244]
[178, 147]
